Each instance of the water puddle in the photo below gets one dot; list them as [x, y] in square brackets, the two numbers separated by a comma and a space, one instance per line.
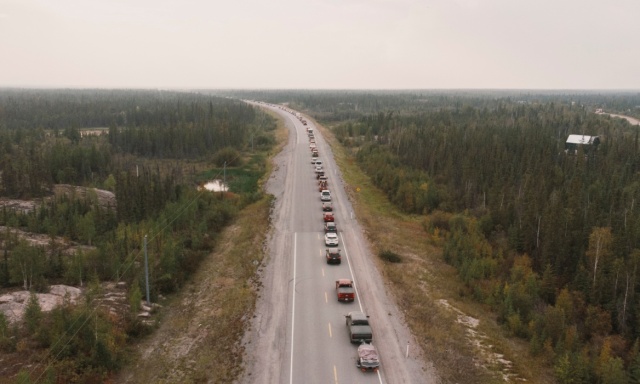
[215, 186]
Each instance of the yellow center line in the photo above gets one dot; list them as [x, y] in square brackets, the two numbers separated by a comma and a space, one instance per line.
[330, 334]
[335, 374]
[326, 297]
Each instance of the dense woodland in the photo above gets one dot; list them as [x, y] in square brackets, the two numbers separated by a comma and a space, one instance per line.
[549, 240]
[42, 144]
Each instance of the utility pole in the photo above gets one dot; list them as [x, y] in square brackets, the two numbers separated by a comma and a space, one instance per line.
[146, 269]
[224, 179]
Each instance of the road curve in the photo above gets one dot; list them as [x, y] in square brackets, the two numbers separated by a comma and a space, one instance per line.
[298, 334]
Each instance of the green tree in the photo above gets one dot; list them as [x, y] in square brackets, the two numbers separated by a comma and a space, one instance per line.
[109, 183]
[599, 253]
[32, 313]
[609, 368]
[27, 264]
[135, 297]
[75, 271]
[86, 227]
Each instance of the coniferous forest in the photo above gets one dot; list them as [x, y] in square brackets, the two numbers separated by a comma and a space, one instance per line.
[151, 149]
[548, 238]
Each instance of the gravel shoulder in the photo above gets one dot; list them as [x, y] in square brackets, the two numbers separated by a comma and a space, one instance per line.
[266, 338]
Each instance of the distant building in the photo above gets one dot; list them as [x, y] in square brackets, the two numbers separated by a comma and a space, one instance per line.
[575, 141]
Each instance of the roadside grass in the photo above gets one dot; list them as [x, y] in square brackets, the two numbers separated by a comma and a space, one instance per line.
[199, 340]
[202, 328]
[421, 283]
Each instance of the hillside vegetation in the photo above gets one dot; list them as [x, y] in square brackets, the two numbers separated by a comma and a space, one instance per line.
[158, 147]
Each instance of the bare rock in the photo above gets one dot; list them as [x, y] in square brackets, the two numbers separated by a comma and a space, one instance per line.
[13, 304]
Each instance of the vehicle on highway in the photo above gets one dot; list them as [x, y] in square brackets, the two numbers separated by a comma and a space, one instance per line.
[330, 226]
[333, 256]
[314, 154]
[331, 239]
[327, 207]
[359, 329]
[344, 290]
[367, 358]
[318, 162]
[319, 174]
[328, 216]
[322, 185]
[325, 195]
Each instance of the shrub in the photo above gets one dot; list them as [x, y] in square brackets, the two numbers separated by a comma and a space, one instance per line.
[390, 256]
[229, 155]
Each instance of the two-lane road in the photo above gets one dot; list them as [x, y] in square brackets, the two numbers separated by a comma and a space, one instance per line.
[319, 346]
[299, 334]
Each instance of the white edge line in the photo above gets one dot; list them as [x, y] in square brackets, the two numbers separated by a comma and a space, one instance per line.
[355, 287]
[293, 304]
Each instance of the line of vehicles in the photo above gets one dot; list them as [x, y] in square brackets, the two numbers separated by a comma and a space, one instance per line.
[360, 331]
[357, 322]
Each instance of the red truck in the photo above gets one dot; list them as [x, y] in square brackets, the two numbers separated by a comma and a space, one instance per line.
[345, 290]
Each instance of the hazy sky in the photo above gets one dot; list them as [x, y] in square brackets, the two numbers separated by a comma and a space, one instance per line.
[576, 44]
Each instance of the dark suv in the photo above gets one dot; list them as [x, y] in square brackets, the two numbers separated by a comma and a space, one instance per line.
[330, 226]
[333, 256]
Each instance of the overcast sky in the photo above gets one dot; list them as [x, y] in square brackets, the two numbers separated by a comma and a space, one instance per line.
[345, 44]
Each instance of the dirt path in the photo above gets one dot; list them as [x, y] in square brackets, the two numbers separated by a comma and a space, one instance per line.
[631, 120]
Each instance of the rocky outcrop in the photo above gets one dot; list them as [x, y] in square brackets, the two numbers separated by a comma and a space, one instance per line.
[12, 305]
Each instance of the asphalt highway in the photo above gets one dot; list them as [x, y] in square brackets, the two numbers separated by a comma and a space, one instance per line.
[299, 333]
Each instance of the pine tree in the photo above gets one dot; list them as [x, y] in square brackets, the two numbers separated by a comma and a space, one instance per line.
[32, 313]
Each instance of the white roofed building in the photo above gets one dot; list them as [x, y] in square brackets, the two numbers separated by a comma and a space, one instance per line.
[574, 141]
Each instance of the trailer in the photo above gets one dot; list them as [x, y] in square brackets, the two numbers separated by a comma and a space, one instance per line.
[367, 359]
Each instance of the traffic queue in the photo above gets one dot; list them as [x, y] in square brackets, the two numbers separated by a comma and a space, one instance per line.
[367, 358]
